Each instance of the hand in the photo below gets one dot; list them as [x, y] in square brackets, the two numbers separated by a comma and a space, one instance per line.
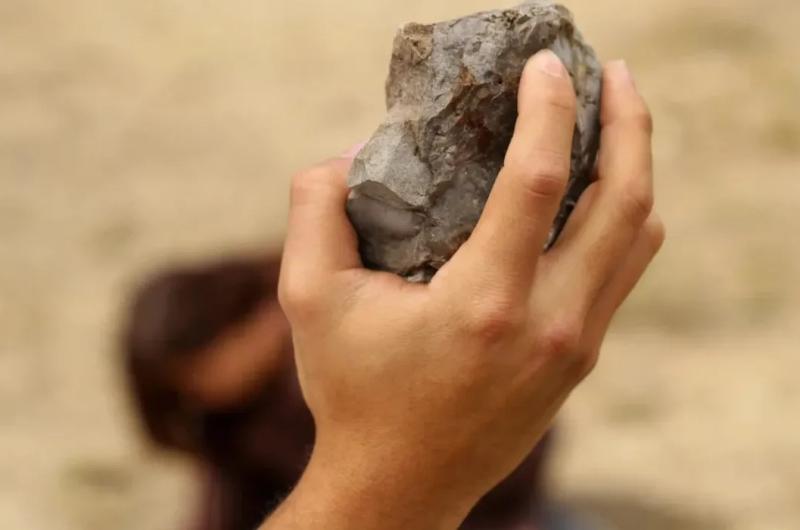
[426, 396]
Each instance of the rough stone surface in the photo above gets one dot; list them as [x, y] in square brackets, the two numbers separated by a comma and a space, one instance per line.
[420, 184]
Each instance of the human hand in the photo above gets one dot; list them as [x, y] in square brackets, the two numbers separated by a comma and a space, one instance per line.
[426, 396]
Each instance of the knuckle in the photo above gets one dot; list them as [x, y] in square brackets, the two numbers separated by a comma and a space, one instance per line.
[543, 184]
[655, 233]
[637, 203]
[562, 339]
[542, 173]
[299, 299]
[584, 363]
[492, 320]
[642, 119]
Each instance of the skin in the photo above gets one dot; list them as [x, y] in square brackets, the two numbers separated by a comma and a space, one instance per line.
[426, 396]
[233, 369]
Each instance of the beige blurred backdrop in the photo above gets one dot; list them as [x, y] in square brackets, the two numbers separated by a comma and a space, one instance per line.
[135, 133]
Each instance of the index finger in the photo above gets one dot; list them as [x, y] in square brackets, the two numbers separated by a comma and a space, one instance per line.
[516, 221]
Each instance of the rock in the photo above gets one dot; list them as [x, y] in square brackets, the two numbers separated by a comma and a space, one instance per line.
[420, 184]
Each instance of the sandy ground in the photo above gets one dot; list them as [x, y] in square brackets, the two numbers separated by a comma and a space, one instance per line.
[133, 134]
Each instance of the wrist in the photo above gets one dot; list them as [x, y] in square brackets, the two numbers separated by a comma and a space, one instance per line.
[345, 489]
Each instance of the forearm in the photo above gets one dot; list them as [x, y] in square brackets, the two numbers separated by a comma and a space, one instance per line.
[344, 494]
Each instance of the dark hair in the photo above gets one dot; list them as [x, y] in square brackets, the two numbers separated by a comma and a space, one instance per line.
[172, 316]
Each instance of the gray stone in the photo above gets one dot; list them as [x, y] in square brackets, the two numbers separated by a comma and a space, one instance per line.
[420, 184]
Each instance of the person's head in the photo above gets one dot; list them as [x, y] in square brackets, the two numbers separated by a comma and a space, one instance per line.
[208, 354]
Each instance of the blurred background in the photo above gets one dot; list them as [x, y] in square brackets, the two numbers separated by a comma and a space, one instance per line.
[136, 134]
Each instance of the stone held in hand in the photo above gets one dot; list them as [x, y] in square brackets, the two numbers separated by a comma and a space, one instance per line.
[419, 185]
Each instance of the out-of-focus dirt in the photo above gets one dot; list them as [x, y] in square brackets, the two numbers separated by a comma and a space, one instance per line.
[133, 134]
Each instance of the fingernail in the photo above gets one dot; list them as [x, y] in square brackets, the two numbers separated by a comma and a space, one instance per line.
[548, 62]
[621, 72]
[353, 151]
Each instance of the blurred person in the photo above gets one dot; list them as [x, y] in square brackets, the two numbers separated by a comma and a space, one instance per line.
[209, 359]
[210, 362]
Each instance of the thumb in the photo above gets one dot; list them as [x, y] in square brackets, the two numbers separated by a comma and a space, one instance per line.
[320, 240]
